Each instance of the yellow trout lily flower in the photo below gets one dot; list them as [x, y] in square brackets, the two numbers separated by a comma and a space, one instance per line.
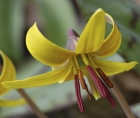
[81, 58]
[8, 73]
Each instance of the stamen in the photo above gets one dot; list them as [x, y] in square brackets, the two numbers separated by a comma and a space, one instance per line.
[104, 78]
[78, 93]
[109, 96]
[83, 84]
[96, 80]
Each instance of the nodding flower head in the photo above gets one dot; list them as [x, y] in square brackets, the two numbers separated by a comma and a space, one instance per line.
[80, 60]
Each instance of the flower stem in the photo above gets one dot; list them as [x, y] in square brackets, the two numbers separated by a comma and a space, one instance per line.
[122, 101]
[31, 104]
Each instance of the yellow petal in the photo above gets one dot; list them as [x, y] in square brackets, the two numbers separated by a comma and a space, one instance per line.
[44, 50]
[94, 90]
[11, 103]
[8, 72]
[40, 80]
[69, 77]
[92, 36]
[111, 68]
[112, 42]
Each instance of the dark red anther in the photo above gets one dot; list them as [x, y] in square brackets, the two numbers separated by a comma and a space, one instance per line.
[78, 93]
[96, 80]
[104, 78]
[109, 96]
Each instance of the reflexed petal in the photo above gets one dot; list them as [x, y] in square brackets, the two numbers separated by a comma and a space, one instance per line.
[111, 68]
[93, 87]
[69, 77]
[40, 80]
[112, 42]
[44, 50]
[11, 103]
[60, 66]
[92, 37]
[8, 72]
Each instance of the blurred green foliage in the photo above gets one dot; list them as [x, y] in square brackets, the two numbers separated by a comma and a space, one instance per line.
[11, 28]
[57, 18]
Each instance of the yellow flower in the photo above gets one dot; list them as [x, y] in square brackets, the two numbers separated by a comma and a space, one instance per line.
[80, 59]
[8, 73]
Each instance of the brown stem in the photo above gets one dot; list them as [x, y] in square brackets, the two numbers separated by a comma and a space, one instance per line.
[31, 104]
[122, 101]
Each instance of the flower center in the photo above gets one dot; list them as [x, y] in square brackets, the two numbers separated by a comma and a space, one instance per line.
[97, 80]
[83, 65]
[78, 67]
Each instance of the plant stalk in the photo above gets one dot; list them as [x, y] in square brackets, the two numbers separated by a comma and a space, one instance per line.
[123, 103]
[31, 104]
